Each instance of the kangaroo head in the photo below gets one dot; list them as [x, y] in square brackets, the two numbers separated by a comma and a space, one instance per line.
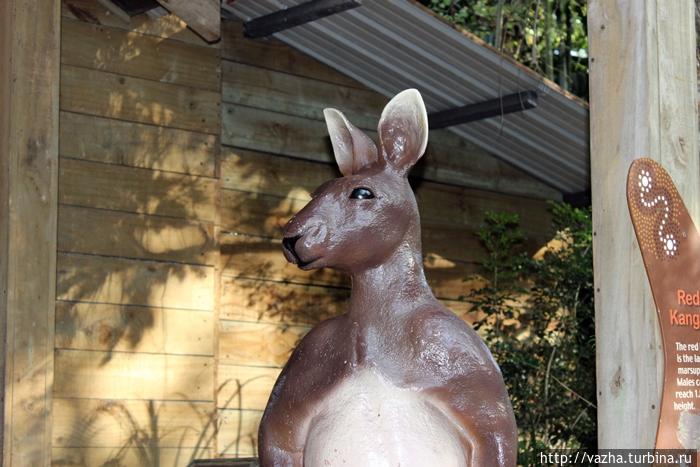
[357, 221]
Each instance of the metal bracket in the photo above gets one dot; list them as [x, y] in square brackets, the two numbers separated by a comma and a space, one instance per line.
[294, 16]
[136, 7]
[491, 108]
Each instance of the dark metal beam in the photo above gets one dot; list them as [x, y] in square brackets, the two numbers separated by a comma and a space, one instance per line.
[492, 108]
[294, 16]
[136, 7]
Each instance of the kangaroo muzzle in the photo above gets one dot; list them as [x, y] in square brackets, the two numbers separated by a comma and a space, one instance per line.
[288, 244]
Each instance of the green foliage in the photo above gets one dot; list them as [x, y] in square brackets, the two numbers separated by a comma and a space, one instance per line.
[536, 316]
[549, 36]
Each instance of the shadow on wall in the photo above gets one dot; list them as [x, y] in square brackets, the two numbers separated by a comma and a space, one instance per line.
[136, 263]
[125, 259]
[145, 427]
[130, 283]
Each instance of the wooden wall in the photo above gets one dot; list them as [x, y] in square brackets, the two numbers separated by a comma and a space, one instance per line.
[275, 151]
[179, 163]
[137, 255]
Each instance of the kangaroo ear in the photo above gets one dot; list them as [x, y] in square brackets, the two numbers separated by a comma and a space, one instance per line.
[353, 149]
[403, 130]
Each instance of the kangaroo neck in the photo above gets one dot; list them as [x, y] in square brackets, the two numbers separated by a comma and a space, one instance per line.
[395, 287]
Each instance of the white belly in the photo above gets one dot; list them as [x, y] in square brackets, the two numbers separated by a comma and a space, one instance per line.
[367, 421]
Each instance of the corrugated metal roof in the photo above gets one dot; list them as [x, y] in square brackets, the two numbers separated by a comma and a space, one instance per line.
[391, 45]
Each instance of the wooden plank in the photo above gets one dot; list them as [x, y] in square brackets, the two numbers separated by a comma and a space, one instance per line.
[137, 145]
[451, 242]
[277, 302]
[165, 27]
[105, 94]
[92, 326]
[217, 299]
[643, 92]
[261, 258]
[464, 164]
[447, 159]
[113, 233]
[127, 375]
[150, 425]
[243, 343]
[238, 433]
[245, 387]
[142, 56]
[202, 16]
[134, 282]
[29, 94]
[258, 214]
[273, 132]
[86, 457]
[5, 135]
[107, 186]
[272, 175]
[261, 88]
[442, 204]
[275, 55]
[281, 303]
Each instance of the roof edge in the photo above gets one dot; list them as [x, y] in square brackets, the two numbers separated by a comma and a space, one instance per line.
[524, 68]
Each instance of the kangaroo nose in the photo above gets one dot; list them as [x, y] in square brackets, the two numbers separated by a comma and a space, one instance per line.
[292, 228]
[288, 244]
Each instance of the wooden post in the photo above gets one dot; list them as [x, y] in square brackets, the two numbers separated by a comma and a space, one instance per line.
[643, 103]
[29, 73]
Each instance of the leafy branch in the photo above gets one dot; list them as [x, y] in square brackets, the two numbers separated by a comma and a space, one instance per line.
[536, 315]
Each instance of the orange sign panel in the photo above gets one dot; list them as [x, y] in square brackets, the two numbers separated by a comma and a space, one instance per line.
[670, 247]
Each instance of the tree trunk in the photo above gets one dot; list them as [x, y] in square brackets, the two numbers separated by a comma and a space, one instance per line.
[565, 50]
[535, 59]
[549, 61]
[499, 25]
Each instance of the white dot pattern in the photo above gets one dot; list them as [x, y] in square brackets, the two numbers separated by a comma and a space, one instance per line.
[653, 198]
[645, 184]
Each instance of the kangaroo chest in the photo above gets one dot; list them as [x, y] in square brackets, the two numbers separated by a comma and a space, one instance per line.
[367, 420]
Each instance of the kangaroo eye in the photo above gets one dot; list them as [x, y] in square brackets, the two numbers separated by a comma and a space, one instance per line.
[361, 193]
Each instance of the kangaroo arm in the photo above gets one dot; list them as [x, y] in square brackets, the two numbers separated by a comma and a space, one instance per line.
[483, 418]
[285, 423]
[271, 456]
[465, 384]
[276, 447]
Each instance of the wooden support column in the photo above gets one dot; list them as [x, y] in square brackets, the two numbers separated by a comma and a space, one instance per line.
[643, 103]
[29, 72]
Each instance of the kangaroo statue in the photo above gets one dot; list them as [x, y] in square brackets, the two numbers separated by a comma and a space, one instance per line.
[398, 380]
